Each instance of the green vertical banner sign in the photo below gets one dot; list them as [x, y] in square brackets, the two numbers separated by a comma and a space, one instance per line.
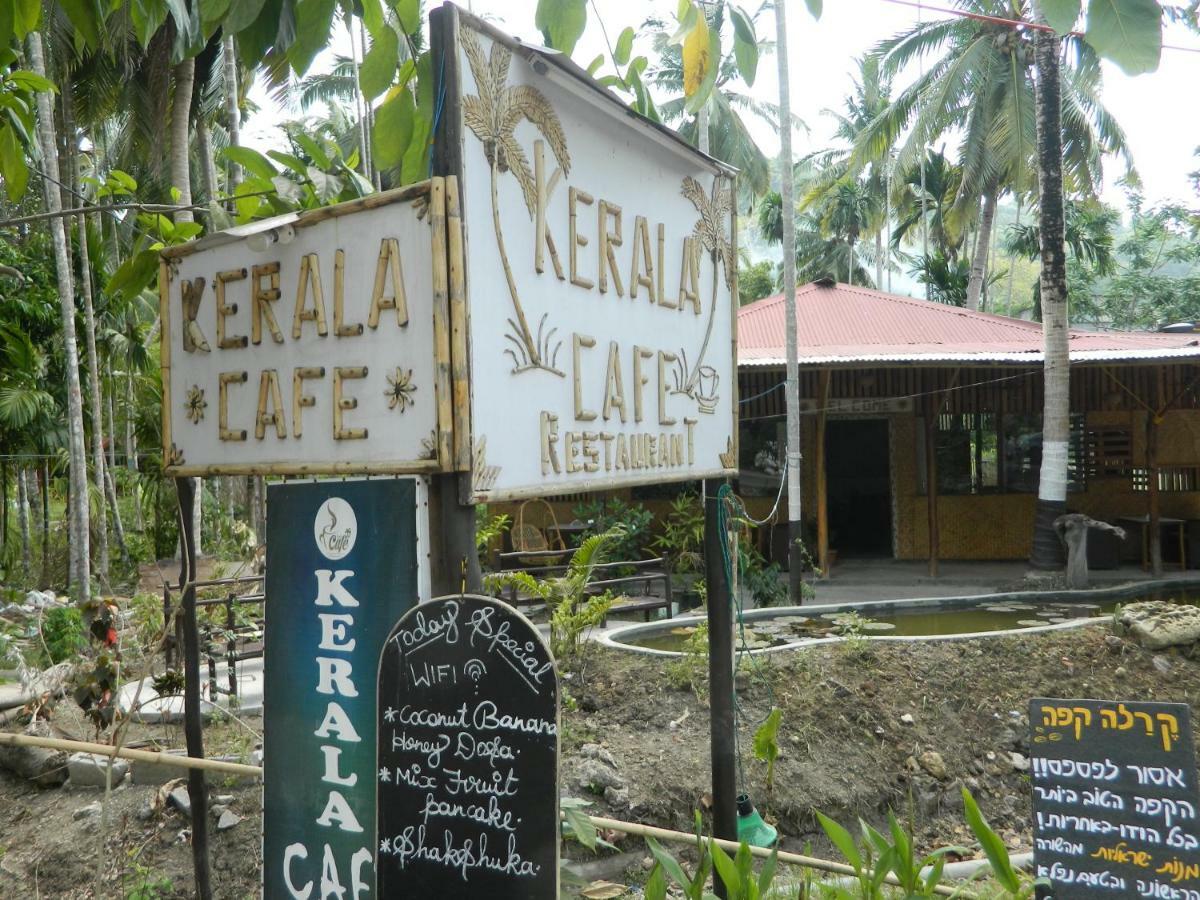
[342, 567]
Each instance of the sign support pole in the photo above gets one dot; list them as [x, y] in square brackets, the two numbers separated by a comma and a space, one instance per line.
[192, 725]
[452, 536]
[720, 674]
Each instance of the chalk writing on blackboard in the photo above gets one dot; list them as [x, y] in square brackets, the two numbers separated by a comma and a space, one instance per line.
[1115, 799]
[467, 754]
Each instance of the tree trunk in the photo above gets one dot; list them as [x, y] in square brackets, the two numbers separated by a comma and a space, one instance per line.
[879, 260]
[45, 523]
[23, 520]
[184, 75]
[788, 206]
[77, 454]
[232, 108]
[1052, 482]
[110, 413]
[360, 108]
[96, 406]
[131, 460]
[979, 258]
[208, 169]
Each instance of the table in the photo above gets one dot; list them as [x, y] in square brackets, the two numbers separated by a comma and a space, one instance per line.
[1143, 524]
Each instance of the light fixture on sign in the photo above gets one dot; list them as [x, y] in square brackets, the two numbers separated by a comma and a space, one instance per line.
[262, 240]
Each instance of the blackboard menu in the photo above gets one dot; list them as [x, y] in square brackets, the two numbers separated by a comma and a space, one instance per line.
[1114, 799]
[468, 755]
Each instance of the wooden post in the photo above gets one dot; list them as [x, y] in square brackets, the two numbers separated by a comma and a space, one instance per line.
[720, 671]
[931, 486]
[193, 728]
[1153, 420]
[819, 459]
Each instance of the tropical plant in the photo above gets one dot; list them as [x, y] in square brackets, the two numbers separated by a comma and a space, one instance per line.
[736, 873]
[682, 537]
[629, 523]
[492, 114]
[766, 743]
[574, 606]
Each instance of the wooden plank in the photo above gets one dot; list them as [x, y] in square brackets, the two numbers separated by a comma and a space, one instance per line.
[441, 322]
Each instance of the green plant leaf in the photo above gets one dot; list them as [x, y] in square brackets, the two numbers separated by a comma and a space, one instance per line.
[372, 16]
[26, 15]
[595, 64]
[1129, 32]
[86, 18]
[414, 166]
[745, 54]
[314, 20]
[725, 869]
[656, 885]
[147, 17]
[993, 847]
[212, 14]
[316, 152]
[561, 23]
[379, 65]
[766, 737]
[767, 875]
[624, 46]
[135, 274]
[30, 81]
[242, 14]
[409, 14]
[687, 14]
[814, 8]
[668, 863]
[12, 163]
[1060, 14]
[393, 128]
[297, 165]
[841, 839]
[581, 826]
[251, 160]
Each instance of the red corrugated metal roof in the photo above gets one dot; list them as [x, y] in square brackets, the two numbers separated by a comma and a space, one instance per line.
[844, 323]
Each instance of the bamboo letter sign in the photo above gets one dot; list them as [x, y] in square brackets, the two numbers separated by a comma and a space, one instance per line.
[267, 365]
[599, 278]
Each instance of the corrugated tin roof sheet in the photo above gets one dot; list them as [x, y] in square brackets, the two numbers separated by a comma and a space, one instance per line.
[847, 324]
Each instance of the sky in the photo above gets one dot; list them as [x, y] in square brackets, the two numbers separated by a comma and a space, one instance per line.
[1157, 110]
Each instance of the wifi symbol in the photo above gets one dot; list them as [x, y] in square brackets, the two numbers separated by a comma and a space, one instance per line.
[475, 669]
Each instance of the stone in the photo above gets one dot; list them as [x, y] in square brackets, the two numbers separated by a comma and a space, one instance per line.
[1114, 643]
[1120, 671]
[155, 773]
[908, 719]
[1020, 762]
[228, 820]
[87, 812]
[911, 764]
[89, 769]
[1161, 664]
[217, 810]
[225, 799]
[145, 812]
[180, 799]
[931, 761]
[596, 776]
[595, 751]
[43, 767]
[1157, 624]
[618, 797]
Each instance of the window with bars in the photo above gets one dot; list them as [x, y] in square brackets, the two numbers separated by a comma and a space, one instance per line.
[1109, 452]
[1172, 479]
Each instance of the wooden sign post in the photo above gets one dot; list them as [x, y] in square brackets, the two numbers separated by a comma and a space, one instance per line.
[1115, 800]
[468, 755]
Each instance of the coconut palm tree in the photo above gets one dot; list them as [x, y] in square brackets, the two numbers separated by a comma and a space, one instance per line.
[980, 86]
[493, 115]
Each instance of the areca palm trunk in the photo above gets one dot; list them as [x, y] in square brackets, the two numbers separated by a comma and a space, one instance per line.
[23, 518]
[983, 240]
[232, 111]
[1052, 482]
[184, 76]
[77, 454]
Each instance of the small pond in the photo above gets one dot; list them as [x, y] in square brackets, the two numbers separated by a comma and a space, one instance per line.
[773, 629]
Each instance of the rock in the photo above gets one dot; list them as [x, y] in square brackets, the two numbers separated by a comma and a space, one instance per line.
[228, 820]
[217, 810]
[1161, 664]
[43, 767]
[155, 773]
[595, 776]
[42, 600]
[1020, 761]
[931, 761]
[618, 797]
[87, 812]
[1120, 671]
[1156, 624]
[89, 769]
[225, 799]
[908, 719]
[911, 764]
[180, 799]
[595, 751]
[1114, 643]
[647, 863]
[145, 812]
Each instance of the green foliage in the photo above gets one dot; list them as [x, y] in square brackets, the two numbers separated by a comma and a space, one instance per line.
[561, 23]
[755, 281]
[764, 581]
[682, 537]
[630, 521]
[487, 529]
[142, 883]
[63, 636]
[1128, 32]
[736, 873]
[689, 670]
[766, 743]
[574, 608]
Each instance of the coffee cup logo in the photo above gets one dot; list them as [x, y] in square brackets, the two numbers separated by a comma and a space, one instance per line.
[335, 528]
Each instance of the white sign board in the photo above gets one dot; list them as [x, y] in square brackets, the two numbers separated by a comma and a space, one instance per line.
[600, 268]
[306, 344]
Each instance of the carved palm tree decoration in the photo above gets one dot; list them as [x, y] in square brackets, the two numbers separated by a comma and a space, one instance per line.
[493, 116]
[712, 233]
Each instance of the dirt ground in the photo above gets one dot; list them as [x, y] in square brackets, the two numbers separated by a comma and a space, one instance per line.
[865, 727]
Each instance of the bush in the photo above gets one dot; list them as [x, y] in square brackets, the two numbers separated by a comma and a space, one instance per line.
[629, 521]
[63, 636]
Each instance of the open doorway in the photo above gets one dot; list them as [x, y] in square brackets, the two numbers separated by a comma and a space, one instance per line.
[858, 480]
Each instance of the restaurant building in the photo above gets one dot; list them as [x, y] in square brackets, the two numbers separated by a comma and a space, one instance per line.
[921, 428]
